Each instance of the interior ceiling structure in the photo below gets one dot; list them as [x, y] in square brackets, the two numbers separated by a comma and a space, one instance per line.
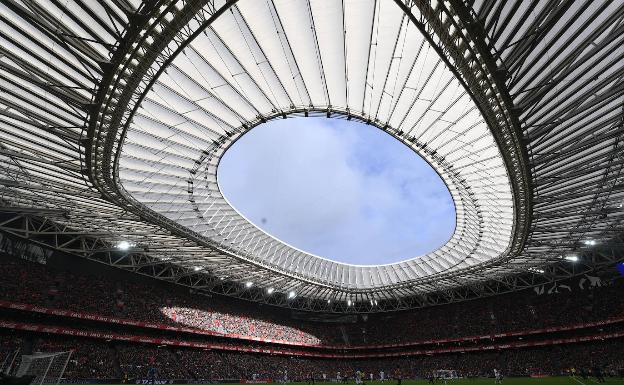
[114, 115]
[357, 59]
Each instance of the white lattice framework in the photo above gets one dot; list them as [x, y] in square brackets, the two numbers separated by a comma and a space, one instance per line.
[114, 114]
[361, 60]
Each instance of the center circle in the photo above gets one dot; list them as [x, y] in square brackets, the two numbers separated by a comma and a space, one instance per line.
[339, 189]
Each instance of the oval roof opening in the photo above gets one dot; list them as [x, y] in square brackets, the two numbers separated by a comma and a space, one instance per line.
[338, 189]
[364, 59]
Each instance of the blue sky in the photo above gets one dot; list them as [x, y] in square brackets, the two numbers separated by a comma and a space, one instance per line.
[338, 189]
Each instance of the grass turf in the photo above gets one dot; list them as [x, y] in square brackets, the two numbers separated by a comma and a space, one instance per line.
[490, 381]
[478, 381]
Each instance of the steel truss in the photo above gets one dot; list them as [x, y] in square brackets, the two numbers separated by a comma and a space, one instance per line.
[548, 75]
[47, 234]
[119, 104]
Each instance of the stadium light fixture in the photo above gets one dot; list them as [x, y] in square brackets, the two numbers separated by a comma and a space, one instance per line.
[292, 294]
[270, 290]
[349, 303]
[589, 242]
[572, 258]
[248, 284]
[536, 270]
[123, 245]
[197, 268]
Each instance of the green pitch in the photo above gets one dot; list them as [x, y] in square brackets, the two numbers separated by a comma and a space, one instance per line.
[481, 381]
[490, 381]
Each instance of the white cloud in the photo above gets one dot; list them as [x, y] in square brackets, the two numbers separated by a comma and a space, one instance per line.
[338, 189]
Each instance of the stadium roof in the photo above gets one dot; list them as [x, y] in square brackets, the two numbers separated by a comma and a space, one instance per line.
[114, 116]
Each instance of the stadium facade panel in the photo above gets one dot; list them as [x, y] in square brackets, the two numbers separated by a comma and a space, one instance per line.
[114, 116]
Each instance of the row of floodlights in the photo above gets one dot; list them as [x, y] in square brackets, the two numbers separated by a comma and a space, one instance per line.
[270, 290]
[292, 294]
[569, 258]
[125, 245]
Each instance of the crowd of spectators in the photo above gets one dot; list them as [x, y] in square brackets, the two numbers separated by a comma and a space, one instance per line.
[33, 283]
[89, 359]
[511, 312]
[239, 324]
[202, 364]
[102, 360]
[139, 301]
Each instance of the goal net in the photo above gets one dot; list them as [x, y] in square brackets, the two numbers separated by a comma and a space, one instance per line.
[8, 358]
[446, 374]
[45, 368]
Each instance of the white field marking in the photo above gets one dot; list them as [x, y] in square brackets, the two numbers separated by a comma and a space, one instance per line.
[577, 380]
